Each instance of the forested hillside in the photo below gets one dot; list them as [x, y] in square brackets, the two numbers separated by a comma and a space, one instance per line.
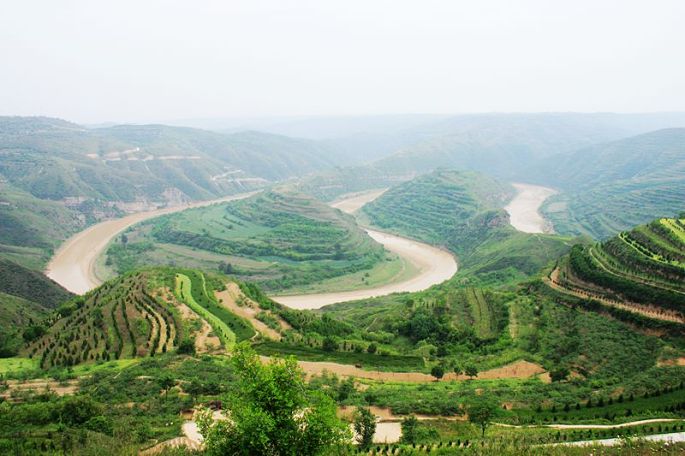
[57, 177]
[32, 228]
[611, 187]
[143, 314]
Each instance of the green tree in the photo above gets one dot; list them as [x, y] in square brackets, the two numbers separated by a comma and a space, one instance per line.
[187, 346]
[559, 374]
[364, 427]
[273, 413]
[409, 430]
[471, 370]
[372, 348]
[329, 344]
[77, 410]
[481, 413]
[166, 382]
[194, 388]
[345, 389]
[438, 372]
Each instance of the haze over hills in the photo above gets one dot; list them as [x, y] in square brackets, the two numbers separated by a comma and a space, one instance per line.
[505, 145]
[611, 187]
[342, 228]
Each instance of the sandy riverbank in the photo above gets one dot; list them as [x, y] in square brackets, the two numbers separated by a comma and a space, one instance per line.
[73, 264]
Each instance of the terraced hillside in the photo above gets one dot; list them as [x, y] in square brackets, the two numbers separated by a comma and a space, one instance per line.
[641, 271]
[612, 187]
[462, 211]
[278, 238]
[121, 319]
[138, 315]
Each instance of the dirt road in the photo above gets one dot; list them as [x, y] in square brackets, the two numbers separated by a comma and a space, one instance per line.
[523, 209]
[73, 264]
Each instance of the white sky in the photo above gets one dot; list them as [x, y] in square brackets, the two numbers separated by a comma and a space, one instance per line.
[121, 60]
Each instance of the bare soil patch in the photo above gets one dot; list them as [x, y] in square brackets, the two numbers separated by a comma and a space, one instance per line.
[517, 369]
[232, 296]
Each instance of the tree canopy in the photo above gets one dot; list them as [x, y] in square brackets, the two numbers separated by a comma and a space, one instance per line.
[271, 412]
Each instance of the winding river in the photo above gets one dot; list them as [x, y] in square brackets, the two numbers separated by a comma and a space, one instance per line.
[433, 264]
[73, 264]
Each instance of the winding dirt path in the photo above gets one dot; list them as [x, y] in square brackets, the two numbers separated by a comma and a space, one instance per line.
[434, 265]
[73, 264]
[523, 210]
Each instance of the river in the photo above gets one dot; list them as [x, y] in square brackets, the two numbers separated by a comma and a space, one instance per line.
[524, 209]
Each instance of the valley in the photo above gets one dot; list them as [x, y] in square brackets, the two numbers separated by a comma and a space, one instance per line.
[414, 293]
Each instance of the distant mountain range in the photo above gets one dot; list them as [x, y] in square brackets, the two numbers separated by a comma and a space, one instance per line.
[506, 145]
[56, 177]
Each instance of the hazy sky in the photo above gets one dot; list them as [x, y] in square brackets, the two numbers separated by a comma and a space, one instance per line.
[142, 60]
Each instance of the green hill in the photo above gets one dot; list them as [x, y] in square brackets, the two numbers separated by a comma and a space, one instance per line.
[612, 187]
[26, 297]
[31, 228]
[278, 238]
[428, 207]
[462, 211]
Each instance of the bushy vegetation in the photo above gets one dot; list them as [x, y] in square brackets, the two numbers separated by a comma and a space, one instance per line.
[26, 297]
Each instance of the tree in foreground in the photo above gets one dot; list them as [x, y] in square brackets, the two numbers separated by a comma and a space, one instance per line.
[271, 412]
[481, 412]
[364, 427]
